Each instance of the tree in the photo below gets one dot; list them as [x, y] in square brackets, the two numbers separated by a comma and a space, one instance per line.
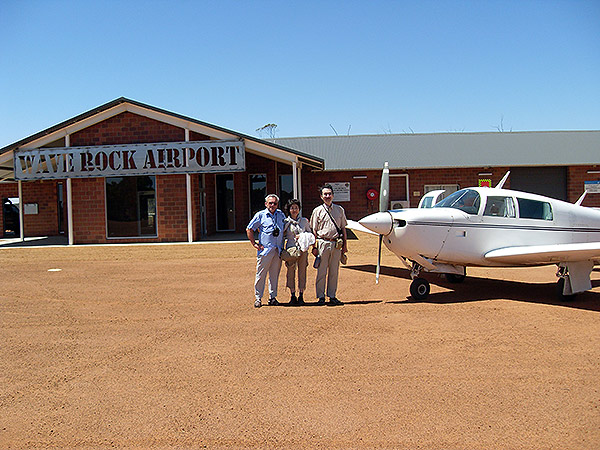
[269, 130]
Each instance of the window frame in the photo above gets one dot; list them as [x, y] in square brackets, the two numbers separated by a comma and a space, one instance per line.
[106, 208]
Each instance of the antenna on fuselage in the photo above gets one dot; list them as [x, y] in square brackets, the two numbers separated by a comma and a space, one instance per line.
[580, 200]
[503, 180]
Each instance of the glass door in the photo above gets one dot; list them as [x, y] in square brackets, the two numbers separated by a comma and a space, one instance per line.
[225, 202]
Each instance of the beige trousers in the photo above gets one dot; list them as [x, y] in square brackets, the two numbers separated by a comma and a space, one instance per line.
[301, 264]
[268, 264]
[328, 271]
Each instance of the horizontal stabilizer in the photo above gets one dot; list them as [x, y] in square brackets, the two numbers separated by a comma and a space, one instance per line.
[546, 254]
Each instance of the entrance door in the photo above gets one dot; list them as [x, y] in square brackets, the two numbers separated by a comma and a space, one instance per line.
[225, 202]
[60, 195]
[10, 213]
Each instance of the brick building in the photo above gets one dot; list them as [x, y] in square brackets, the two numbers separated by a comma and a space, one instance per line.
[130, 172]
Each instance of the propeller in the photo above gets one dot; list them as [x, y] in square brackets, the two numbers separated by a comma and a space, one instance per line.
[384, 196]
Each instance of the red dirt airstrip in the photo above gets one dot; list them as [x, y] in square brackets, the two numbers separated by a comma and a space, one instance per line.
[159, 347]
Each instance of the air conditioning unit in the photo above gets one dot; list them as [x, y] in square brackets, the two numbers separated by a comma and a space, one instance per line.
[399, 204]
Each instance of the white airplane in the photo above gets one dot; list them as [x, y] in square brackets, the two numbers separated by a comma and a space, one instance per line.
[489, 227]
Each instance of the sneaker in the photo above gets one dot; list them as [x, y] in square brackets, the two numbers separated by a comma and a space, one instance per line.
[301, 299]
[334, 301]
[293, 300]
[321, 301]
[273, 302]
[257, 304]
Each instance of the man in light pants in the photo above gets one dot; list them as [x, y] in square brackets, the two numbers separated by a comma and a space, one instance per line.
[328, 222]
[269, 224]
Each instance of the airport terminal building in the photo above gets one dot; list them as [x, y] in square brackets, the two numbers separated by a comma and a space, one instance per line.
[130, 172]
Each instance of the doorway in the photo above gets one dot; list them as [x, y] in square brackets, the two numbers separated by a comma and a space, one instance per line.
[225, 202]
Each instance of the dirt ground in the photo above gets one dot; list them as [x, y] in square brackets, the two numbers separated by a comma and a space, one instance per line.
[160, 347]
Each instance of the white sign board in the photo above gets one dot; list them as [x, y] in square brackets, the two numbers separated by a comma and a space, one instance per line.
[130, 159]
[341, 191]
[593, 187]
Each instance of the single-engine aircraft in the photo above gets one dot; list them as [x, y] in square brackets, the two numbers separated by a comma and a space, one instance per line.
[488, 227]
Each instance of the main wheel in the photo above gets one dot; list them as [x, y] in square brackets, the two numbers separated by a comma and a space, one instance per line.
[419, 289]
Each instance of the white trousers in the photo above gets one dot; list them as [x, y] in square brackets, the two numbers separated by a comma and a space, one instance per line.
[328, 270]
[267, 264]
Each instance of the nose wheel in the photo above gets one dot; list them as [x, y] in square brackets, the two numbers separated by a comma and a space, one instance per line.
[419, 288]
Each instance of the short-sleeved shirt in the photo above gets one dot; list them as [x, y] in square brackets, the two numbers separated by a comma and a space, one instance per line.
[265, 223]
[321, 222]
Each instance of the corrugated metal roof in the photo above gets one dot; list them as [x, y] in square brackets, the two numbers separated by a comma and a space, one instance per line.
[411, 151]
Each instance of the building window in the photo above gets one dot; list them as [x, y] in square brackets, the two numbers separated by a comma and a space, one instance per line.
[225, 203]
[258, 192]
[131, 206]
[449, 188]
[286, 189]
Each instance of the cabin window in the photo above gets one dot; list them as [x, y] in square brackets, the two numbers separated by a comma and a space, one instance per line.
[500, 207]
[534, 209]
[467, 200]
[131, 206]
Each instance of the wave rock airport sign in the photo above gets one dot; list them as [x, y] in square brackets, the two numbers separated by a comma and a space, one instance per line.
[130, 159]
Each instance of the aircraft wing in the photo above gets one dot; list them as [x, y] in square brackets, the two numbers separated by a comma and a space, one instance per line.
[353, 225]
[546, 254]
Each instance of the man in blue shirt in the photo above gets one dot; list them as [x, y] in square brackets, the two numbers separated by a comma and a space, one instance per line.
[269, 224]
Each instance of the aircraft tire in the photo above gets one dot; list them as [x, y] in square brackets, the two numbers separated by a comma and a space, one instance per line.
[560, 285]
[419, 289]
[454, 278]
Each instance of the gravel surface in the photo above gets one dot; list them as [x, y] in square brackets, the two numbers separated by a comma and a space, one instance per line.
[160, 347]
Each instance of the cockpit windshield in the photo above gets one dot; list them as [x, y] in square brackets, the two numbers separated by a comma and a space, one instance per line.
[466, 200]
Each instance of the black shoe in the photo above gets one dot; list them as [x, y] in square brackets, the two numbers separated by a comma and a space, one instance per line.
[273, 302]
[300, 299]
[293, 300]
[334, 301]
[321, 301]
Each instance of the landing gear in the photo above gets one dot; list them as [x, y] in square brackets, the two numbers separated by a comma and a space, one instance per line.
[419, 288]
[560, 288]
[454, 278]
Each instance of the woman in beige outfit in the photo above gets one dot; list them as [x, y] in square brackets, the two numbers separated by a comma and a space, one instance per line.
[294, 225]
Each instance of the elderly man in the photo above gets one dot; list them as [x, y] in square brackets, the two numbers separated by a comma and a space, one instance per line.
[270, 224]
[328, 222]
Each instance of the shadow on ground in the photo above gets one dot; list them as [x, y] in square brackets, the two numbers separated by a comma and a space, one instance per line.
[479, 288]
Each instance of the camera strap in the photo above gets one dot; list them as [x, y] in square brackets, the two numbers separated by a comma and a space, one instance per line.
[338, 229]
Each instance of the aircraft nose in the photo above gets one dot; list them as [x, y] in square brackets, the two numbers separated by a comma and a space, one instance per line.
[380, 223]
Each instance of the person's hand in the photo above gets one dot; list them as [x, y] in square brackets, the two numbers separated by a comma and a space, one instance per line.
[258, 246]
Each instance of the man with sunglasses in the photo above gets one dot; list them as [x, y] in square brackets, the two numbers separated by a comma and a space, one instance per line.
[269, 223]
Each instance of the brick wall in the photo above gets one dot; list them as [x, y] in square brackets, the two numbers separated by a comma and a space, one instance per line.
[45, 222]
[127, 128]
[576, 177]
[171, 208]
[360, 206]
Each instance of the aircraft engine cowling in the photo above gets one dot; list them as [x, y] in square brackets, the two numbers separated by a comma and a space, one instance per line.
[380, 222]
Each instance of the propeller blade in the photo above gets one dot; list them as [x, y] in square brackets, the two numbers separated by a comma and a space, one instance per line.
[378, 260]
[384, 202]
[384, 191]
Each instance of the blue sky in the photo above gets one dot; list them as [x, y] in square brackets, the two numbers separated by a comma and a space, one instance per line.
[359, 67]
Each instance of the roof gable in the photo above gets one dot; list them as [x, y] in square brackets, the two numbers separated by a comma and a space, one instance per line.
[122, 105]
